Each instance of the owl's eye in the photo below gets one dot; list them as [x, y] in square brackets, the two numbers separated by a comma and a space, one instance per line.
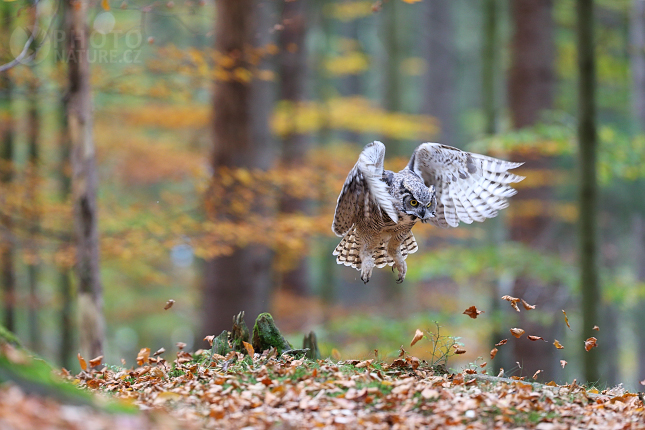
[428, 205]
[414, 202]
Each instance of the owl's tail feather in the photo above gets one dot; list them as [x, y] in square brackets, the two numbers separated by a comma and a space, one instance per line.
[348, 251]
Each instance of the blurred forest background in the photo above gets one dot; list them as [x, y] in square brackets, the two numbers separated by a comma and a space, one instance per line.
[217, 136]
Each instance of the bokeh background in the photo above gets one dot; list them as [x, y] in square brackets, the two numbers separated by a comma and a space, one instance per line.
[325, 77]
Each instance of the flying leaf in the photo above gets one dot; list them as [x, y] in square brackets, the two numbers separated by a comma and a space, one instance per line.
[513, 301]
[418, 335]
[534, 338]
[566, 319]
[82, 362]
[527, 306]
[558, 344]
[169, 304]
[643, 382]
[472, 312]
[181, 345]
[596, 328]
[249, 348]
[460, 351]
[159, 351]
[517, 332]
[96, 361]
[501, 342]
[536, 374]
[335, 354]
[210, 339]
[143, 357]
[590, 343]
[105, 4]
[501, 372]
[483, 364]
[563, 363]
[493, 353]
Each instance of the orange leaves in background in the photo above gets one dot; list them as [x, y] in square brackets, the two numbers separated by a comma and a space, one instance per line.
[472, 312]
[143, 357]
[81, 361]
[558, 344]
[517, 332]
[566, 319]
[592, 342]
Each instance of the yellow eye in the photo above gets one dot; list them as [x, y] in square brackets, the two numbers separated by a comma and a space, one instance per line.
[429, 204]
[414, 202]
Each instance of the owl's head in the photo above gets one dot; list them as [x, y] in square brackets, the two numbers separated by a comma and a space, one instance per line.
[419, 200]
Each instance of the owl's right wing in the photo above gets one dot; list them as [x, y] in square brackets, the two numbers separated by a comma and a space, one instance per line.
[364, 192]
[470, 187]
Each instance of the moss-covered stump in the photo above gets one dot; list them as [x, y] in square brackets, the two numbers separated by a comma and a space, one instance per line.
[220, 344]
[311, 343]
[267, 335]
[239, 333]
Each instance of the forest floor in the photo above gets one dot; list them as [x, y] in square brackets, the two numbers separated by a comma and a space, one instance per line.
[264, 391]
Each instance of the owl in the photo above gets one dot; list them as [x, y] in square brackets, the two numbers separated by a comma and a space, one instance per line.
[442, 185]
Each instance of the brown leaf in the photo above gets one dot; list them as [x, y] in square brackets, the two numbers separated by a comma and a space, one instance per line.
[159, 351]
[96, 361]
[181, 345]
[513, 301]
[566, 319]
[590, 343]
[210, 339]
[596, 328]
[143, 356]
[517, 332]
[501, 342]
[335, 354]
[527, 306]
[558, 344]
[563, 363]
[169, 304]
[534, 338]
[643, 382]
[249, 348]
[501, 372]
[82, 362]
[483, 364]
[493, 353]
[418, 335]
[460, 351]
[536, 374]
[472, 312]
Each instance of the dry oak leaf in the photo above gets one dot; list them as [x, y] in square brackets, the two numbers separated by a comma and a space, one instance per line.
[566, 319]
[564, 363]
[460, 351]
[513, 301]
[143, 357]
[81, 361]
[418, 335]
[517, 332]
[473, 312]
[534, 338]
[493, 353]
[536, 374]
[501, 342]
[590, 343]
[558, 344]
[596, 328]
[96, 361]
[527, 306]
[210, 339]
[483, 364]
[249, 349]
[159, 351]
[169, 304]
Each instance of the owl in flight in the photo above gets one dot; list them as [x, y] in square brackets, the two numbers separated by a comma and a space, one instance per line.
[442, 185]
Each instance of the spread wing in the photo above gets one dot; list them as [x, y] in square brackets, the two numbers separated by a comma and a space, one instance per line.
[470, 187]
[364, 193]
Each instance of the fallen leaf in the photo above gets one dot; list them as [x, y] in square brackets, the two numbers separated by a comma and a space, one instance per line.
[536, 374]
[534, 338]
[249, 348]
[143, 356]
[563, 363]
[82, 362]
[517, 332]
[418, 335]
[590, 343]
[527, 306]
[169, 304]
[96, 361]
[596, 328]
[566, 319]
[558, 344]
[513, 301]
[473, 312]
[493, 353]
[501, 342]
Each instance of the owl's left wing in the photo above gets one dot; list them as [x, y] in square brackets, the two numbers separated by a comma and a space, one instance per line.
[364, 192]
[470, 187]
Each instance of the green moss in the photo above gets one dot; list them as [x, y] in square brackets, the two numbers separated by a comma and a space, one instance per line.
[7, 337]
[267, 335]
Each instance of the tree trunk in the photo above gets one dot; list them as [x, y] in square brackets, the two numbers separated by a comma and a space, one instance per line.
[84, 181]
[490, 48]
[532, 75]
[637, 53]
[588, 203]
[638, 235]
[7, 131]
[242, 280]
[439, 53]
[294, 145]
